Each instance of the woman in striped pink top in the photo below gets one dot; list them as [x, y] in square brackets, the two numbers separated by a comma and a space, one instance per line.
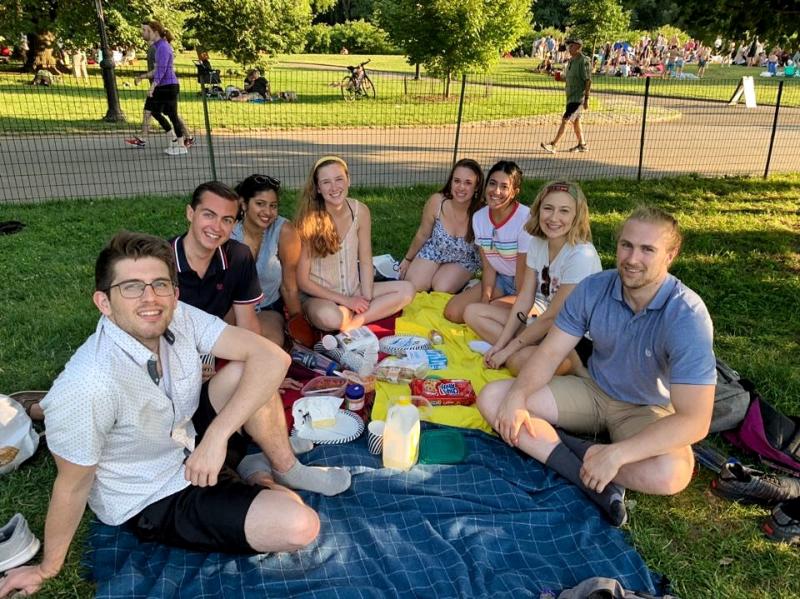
[502, 240]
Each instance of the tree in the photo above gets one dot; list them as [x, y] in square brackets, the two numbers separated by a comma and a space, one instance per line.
[454, 36]
[597, 21]
[75, 23]
[245, 29]
[776, 21]
[551, 13]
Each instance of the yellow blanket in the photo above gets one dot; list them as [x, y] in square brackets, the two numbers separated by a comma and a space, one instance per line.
[422, 315]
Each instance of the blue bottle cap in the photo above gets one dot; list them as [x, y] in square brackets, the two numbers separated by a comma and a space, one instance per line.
[354, 391]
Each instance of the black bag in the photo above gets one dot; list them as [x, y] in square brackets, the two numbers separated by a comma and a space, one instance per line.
[731, 399]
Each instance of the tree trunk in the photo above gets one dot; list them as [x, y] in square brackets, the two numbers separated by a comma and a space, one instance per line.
[40, 53]
[447, 85]
[416, 72]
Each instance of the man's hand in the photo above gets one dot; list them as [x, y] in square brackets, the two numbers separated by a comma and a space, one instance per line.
[203, 466]
[288, 383]
[511, 417]
[27, 579]
[600, 465]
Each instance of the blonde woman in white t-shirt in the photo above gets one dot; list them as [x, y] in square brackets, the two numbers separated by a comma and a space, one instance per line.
[560, 254]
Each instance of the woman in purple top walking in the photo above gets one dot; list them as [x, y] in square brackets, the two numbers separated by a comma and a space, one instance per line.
[164, 88]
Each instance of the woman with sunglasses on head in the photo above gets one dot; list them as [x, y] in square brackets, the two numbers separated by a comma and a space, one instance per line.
[560, 255]
[501, 238]
[335, 268]
[443, 255]
[275, 245]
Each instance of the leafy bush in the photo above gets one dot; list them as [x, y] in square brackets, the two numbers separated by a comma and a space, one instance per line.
[361, 37]
[318, 39]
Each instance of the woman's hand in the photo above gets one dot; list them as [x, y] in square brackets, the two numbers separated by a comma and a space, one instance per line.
[357, 304]
[404, 264]
[496, 356]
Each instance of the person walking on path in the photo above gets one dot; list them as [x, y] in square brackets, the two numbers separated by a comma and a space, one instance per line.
[579, 82]
[164, 89]
[150, 102]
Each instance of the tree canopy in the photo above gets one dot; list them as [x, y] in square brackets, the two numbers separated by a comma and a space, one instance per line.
[244, 29]
[597, 21]
[454, 36]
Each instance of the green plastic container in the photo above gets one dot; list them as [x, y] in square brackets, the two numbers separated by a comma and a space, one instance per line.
[442, 447]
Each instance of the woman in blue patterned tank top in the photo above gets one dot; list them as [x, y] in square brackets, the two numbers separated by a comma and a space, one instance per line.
[443, 255]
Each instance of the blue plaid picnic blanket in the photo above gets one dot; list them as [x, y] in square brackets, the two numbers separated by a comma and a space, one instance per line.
[497, 525]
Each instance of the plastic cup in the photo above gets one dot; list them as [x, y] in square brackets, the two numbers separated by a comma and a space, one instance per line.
[375, 437]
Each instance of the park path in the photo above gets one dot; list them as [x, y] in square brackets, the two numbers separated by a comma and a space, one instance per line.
[707, 138]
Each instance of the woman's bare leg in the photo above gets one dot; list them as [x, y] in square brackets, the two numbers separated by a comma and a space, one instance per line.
[487, 320]
[450, 278]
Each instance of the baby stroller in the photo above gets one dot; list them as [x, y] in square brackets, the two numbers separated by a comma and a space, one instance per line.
[210, 77]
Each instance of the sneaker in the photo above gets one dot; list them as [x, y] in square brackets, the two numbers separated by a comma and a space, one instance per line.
[17, 543]
[549, 148]
[176, 150]
[188, 142]
[579, 148]
[136, 142]
[750, 486]
[782, 527]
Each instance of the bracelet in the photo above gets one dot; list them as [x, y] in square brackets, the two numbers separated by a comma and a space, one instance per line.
[409, 259]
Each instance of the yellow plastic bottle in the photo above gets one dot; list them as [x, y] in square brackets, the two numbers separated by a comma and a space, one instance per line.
[401, 435]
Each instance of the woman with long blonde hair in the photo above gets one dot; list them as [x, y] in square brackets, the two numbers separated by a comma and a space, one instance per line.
[335, 269]
[560, 255]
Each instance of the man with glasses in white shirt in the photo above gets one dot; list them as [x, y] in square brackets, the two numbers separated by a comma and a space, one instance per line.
[136, 433]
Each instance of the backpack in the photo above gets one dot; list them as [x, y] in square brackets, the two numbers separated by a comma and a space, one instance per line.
[18, 440]
[770, 434]
[731, 398]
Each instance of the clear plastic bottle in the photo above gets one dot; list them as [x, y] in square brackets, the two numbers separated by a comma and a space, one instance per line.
[313, 360]
[401, 435]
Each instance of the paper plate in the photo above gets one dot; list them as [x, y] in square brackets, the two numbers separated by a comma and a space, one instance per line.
[348, 427]
[397, 345]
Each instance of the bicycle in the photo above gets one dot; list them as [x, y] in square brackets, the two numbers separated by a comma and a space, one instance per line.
[357, 84]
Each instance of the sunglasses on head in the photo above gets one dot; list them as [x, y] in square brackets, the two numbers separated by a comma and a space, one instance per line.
[266, 180]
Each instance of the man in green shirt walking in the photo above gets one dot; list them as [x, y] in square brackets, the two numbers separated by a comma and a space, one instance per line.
[579, 82]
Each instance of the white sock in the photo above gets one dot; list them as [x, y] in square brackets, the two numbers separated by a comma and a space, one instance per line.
[317, 479]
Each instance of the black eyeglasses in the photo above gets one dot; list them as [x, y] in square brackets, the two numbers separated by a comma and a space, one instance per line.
[545, 288]
[134, 289]
[494, 238]
[266, 180]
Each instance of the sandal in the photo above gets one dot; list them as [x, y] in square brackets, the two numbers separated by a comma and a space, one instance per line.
[29, 400]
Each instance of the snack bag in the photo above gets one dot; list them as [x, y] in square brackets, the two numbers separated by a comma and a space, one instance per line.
[444, 392]
[401, 370]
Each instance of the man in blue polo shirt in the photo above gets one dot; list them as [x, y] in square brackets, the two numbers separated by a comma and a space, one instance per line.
[215, 272]
[649, 385]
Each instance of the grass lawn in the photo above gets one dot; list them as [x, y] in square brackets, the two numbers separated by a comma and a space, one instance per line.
[510, 90]
[718, 82]
[742, 255]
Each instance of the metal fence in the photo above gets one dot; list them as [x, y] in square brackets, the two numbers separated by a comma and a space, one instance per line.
[54, 145]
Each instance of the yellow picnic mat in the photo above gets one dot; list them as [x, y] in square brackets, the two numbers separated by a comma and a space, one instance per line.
[422, 315]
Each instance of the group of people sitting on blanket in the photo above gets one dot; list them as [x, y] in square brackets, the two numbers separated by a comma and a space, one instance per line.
[138, 432]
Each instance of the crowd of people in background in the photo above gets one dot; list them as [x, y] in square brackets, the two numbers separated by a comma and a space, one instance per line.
[666, 57]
